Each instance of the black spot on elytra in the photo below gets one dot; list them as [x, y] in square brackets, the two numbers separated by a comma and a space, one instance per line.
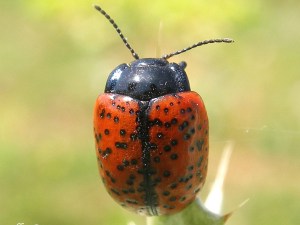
[102, 113]
[157, 122]
[181, 179]
[120, 167]
[199, 162]
[166, 110]
[116, 119]
[171, 103]
[173, 185]
[159, 135]
[157, 180]
[167, 148]
[166, 173]
[174, 142]
[182, 111]
[121, 145]
[183, 198]
[156, 159]
[98, 137]
[122, 132]
[172, 199]
[185, 179]
[129, 182]
[131, 190]
[140, 210]
[199, 144]
[198, 173]
[166, 193]
[167, 124]
[134, 162]
[132, 201]
[188, 187]
[174, 156]
[100, 163]
[106, 132]
[115, 191]
[186, 136]
[183, 125]
[191, 149]
[196, 190]
[132, 176]
[168, 207]
[108, 115]
[106, 152]
[190, 168]
[131, 111]
[189, 109]
[125, 162]
[157, 107]
[174, 121]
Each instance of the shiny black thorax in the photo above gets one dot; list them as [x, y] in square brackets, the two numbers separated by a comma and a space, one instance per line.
[148, 78]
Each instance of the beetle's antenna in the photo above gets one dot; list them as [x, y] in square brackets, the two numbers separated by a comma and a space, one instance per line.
[224, 40]
[134, 54]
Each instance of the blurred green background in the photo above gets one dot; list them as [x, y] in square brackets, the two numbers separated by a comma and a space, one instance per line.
[55, 57]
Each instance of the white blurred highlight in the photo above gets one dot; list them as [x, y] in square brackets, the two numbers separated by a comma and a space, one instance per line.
[149, 220]
[131, 223]
[159, 40]
[214, 199]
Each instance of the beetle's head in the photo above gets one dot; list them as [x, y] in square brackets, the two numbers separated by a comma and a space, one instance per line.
[148, 78]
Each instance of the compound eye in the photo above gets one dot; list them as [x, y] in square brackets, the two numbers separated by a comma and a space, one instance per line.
[182, 65]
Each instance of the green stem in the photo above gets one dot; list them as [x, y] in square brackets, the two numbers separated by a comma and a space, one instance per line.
[194, 214]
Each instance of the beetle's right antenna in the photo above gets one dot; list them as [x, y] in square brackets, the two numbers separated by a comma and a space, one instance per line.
[134, 54]
[220, 40]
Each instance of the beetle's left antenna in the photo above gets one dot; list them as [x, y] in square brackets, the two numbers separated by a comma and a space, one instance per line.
[134, 54]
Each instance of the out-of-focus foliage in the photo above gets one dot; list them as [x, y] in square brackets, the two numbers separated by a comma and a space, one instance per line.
[54, 60]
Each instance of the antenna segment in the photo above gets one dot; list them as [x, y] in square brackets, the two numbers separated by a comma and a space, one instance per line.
[224, 40]
[134, 54]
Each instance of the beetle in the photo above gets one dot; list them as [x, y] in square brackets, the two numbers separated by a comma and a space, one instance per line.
[151, 133]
